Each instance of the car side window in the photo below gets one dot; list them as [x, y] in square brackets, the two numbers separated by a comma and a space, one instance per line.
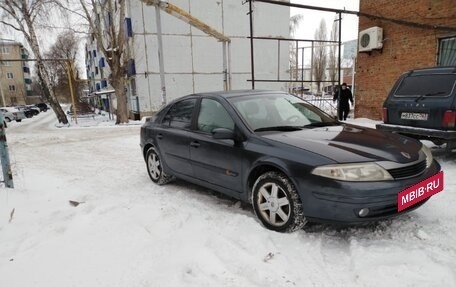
[213, 115]
[180, 114]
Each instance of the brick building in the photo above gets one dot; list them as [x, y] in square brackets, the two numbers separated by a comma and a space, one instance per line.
[405, 46]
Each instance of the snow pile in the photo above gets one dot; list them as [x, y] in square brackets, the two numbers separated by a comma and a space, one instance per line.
[126, 231]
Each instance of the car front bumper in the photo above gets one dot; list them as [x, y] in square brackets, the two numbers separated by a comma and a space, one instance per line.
[339, 202]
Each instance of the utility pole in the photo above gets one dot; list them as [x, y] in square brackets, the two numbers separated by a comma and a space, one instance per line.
[4, 154]
[70, 83]
[252, 59]
[160, 53]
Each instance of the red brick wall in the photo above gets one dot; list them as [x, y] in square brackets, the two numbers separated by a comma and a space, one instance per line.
[404, 48]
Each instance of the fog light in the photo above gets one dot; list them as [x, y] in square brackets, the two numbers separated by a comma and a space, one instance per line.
[363, 212]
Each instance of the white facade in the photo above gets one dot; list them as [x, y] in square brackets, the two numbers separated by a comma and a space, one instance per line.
[193, 60]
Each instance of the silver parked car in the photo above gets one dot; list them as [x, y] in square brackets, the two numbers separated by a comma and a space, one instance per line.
[11, 114]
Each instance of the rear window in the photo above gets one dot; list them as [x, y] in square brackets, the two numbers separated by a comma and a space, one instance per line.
[428, 85]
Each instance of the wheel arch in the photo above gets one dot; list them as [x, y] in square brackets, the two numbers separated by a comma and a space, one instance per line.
[261, 168]
[147, 146]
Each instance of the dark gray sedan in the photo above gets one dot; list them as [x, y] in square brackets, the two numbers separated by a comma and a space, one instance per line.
[290, 160]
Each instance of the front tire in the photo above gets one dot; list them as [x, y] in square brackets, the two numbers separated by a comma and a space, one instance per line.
[155, 168]
[276, 203]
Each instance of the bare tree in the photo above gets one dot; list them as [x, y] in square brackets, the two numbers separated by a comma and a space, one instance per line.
[332, 57]
[110, 40]
[65, 47]
[319, 54]
[22, 16]
[293, 26]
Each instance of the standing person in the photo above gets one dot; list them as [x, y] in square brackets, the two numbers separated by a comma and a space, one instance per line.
[344, 107]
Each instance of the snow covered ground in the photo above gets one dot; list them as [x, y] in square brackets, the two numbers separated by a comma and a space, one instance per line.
[126, 231]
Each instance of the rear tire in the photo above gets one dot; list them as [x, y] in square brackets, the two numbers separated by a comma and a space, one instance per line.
[19, 120]
[155, 168]
[276, 203]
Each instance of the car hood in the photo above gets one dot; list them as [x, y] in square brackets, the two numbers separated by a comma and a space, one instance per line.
[349, 143]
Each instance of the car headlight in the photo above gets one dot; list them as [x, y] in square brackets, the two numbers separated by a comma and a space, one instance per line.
[428, 153]
[353, 172]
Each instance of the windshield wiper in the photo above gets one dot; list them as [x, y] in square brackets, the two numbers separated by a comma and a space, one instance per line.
[279, 128]
[321, 124]
[427, 95]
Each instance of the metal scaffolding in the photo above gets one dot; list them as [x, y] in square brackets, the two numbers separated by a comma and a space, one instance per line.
[296, 42]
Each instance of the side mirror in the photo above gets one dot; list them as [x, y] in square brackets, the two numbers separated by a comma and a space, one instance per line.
[223, 134]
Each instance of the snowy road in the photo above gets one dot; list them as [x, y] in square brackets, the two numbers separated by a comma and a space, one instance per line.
[130, 232]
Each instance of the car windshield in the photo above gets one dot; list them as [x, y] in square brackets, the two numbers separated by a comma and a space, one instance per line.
[426, 85]
[280, 112]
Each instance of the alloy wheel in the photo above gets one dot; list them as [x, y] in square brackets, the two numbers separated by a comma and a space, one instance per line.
[273, 204]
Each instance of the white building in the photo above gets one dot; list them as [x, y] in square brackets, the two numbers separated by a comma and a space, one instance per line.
[194, 60]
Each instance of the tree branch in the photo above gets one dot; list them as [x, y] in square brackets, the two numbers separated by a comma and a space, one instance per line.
[10, 25]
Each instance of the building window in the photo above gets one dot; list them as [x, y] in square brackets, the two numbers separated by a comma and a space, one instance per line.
[9, 76]
[131, 68]
[128, 28]
[12, 87]
[133, 86]
[447, 52]
[4, 50]
[5, 63]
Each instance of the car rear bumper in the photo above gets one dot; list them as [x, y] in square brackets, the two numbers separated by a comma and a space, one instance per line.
[340, 202]
[422, 132]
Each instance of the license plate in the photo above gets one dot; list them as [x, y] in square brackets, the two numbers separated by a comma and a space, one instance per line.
[414, 116]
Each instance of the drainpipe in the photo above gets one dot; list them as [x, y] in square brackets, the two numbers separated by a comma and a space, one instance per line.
[160, 54]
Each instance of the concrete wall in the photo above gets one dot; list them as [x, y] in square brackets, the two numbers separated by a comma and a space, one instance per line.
[404, 47]
[193, 60]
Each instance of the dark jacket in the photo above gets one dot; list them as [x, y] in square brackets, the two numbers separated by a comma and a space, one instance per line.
[345, 96]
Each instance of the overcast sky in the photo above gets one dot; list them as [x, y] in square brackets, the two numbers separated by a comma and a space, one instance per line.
[312, 18]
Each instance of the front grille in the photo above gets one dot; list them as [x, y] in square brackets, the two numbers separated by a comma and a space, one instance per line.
[408, 171]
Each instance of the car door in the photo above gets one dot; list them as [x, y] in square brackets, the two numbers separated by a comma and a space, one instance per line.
[215, 161]
[172, 136]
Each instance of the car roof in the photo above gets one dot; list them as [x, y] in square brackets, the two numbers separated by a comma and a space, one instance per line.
[433, 70]
[237, 93]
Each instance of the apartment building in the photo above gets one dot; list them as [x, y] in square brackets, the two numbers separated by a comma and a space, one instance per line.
[15, 78]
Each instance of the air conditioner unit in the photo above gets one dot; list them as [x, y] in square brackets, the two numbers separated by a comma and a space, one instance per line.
[370, 39]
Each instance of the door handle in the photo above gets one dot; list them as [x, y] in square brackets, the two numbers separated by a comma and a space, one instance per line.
[195, 144]
[159, 136]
